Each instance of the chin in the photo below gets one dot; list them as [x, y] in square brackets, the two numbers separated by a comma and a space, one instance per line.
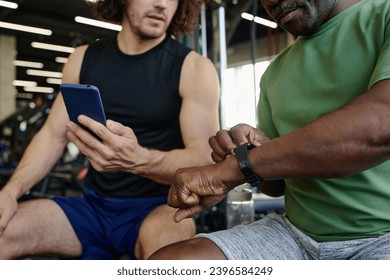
[152, 36]
[152, 33]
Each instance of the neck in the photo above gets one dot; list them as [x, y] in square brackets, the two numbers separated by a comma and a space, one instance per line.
[341, 6]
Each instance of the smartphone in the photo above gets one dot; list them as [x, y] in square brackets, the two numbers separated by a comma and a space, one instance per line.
[83, 99]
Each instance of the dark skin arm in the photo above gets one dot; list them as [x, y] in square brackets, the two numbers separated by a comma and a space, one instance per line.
[224, 142]
[349, 140]
[352, 139]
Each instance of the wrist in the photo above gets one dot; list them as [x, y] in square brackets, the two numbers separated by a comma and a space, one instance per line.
[230, 173]
[147, 160]
[243, 161]
[12, 191]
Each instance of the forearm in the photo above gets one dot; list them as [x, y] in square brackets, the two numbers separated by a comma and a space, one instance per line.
[161, 166]
[38, 159]
[352, 139]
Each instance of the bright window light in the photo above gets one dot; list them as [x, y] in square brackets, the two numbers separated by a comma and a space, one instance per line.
[8, 4]
[98, 23]
[240, 98]
[25, 28]
[52, 47]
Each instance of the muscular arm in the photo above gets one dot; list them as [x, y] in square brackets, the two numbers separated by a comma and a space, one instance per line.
[48, 144]
[120, 151]
[40, 156]
[42, 153]
[199, 89]
[351, 139]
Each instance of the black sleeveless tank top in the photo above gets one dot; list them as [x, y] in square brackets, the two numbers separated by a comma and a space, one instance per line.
[141, 92]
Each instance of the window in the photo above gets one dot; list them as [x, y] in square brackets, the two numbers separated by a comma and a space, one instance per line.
[241, 94]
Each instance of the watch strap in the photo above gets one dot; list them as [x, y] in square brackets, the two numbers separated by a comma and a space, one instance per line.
[243, 160]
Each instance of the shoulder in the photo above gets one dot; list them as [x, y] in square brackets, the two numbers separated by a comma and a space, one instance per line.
[199, 76]
[175, 48]
[77, 56]
[79, 52]
[71, 70]
[195, 64]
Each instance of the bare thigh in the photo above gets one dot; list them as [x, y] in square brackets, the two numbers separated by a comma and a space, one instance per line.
[159, 229]
[39, 227]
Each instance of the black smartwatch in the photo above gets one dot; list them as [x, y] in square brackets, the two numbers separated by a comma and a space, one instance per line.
[242, 157]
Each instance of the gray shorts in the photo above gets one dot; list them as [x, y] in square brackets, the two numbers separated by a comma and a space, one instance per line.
[275, 238]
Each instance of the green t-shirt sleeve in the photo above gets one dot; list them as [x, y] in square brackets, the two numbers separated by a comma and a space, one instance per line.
[266, 123]
[382, 68]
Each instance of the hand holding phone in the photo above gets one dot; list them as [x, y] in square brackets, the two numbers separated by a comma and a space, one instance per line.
[83, 99]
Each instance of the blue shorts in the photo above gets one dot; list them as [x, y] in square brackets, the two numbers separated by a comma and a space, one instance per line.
[107, 227]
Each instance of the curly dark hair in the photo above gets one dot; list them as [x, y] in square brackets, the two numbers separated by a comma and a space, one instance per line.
[183, 22]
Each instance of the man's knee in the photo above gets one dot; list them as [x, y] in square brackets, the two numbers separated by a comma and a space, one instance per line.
[191, 249]
[159, 229]
[37, 228]
[160, 223]
[5, 248]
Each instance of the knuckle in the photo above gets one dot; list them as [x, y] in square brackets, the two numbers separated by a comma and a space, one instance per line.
[128, 129]
[98, 168]
[110, 155]
[220, 132]
[100, 130]
[215, 157]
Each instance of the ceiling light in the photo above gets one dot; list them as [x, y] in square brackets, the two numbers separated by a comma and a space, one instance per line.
[29, 64]
[19, 83]
[59, 59]
[41, 73]
[98, 23]
[24, 95]
[52, 47]
[54, 81]
[8, 4]
[259, 20]
[39, 89]
[247, 16]
[25, 28]
[266, 22]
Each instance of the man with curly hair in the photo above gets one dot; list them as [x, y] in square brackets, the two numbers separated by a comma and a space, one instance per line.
[153, 89]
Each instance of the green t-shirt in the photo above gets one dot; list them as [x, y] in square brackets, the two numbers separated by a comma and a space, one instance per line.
[311, 78]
